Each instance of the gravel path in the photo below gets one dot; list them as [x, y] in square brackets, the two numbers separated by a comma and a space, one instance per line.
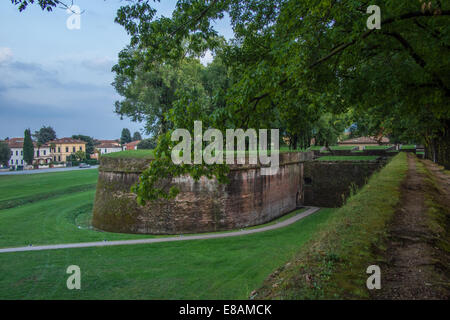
[309, 211]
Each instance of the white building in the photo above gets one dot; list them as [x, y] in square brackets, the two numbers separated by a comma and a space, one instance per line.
[41, 155]
[105, 148]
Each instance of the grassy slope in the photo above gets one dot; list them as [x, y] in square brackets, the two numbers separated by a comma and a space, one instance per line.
[205, 269]
[347, 158]
[333, 264]
[20, 189]
[141, 154]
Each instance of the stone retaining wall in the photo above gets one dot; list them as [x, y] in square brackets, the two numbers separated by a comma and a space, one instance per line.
[201, 206]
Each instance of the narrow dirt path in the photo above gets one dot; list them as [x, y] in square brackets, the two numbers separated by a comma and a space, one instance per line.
[413, 264]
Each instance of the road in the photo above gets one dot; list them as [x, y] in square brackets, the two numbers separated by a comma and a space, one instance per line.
[44, 170]
[278, 225]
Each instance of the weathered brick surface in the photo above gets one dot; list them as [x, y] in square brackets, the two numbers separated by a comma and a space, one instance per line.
[201, 206]
[327, 184]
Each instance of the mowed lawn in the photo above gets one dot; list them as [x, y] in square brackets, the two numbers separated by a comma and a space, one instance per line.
[203, 269]
[20, 189]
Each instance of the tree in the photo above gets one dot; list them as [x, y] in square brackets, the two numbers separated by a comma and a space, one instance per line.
[137, 136]
[148, 144]
[90, 147]
[126, 136]
[44, 135]
[28, 148]
[5, 153]
[299, 60]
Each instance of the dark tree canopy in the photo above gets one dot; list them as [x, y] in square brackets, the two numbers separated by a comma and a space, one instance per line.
[28, 148]
[148, 144]
[126, 136]
[44, 135]
[90, 147]
[137, 136]
[308, 68]
[5, 153]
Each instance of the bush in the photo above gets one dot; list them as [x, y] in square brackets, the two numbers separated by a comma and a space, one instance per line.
[147, 144]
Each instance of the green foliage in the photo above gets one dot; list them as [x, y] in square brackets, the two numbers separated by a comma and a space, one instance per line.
[137, 136]
[310, 68]
[5, 153]
[28, 148]
[90, 145]
[44, 135]
[126, 136]
[147, 144]
[348, 158]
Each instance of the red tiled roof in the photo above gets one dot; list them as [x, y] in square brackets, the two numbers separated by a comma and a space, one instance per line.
[107, 145]
[67, 141]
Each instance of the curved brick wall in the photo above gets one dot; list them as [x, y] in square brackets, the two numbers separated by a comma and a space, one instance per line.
[202, 206]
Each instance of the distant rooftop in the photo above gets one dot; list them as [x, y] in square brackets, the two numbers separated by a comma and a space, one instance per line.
[365, 140]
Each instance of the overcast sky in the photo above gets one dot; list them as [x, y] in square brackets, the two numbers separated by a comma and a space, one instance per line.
[53, 76]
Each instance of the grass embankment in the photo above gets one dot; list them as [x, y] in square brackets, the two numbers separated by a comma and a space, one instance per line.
[130, 154]
[333, 264]
[348, 158]
[228, 268]
[376, 147]
[16, 190]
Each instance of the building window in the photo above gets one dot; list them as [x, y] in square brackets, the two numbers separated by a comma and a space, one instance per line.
[21, 152]
[81, 148]
[59, 149]
[17, 153]
[74, 150]
[45, 152]
[21, 161]
[67, 149]
[59, 158]
[17, 161]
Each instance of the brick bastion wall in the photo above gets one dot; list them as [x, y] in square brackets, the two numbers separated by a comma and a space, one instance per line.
[328, 183]
[201, 206]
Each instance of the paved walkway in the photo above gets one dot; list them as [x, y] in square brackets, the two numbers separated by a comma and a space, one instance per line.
[278, 225]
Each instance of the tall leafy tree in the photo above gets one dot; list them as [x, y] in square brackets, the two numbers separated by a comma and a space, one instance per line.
[126, 136]
[309, 58]
[137, 136]
[44, 135]
[28, 148]
[5, 153]
[90, 147]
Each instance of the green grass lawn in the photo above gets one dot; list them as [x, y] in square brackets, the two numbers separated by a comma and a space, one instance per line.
[140, 154]
[227, 268]
[408, 146]
[336, 259]
[20, 189]
[377, 147]
[201, 269]
[347, 158]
